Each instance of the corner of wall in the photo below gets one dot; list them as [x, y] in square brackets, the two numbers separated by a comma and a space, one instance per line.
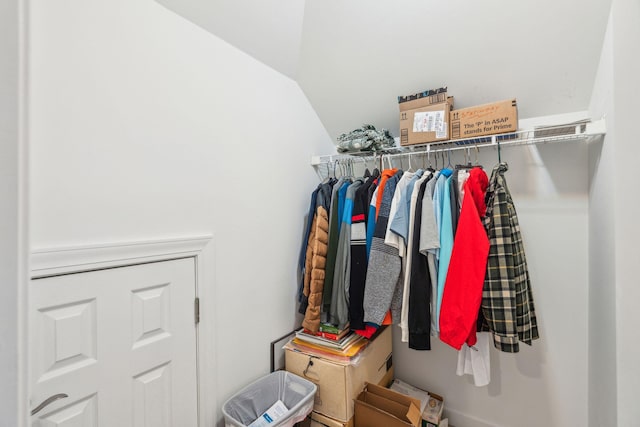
[602, 366]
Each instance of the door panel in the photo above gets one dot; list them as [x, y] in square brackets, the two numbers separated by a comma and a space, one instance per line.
[68, 335]
[152, 397]
[120, 342]
[79, 414]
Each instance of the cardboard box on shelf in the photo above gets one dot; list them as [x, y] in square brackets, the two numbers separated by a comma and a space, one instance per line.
[487, 119]
[378, 406]
[340, 382]
[425, 120]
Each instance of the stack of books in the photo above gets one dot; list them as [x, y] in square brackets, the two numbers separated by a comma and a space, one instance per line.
[329, 342]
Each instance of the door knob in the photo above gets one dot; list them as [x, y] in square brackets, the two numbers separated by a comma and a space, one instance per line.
[47, 402]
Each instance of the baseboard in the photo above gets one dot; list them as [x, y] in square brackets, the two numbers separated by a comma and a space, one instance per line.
[460, 419]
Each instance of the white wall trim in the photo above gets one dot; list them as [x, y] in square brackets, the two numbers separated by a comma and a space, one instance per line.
[24, 392]
[75, 259]
[459, 418]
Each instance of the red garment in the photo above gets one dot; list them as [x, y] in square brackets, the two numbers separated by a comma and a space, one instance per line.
[465, 278]
[367, 332]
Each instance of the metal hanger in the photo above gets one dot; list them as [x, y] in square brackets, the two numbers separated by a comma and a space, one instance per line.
[429, 158]
[467, 160]
[410, 166]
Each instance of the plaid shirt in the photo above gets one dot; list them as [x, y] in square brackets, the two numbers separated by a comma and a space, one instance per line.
[507, 302]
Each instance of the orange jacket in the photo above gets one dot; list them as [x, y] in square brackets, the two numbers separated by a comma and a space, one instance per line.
[315, 268]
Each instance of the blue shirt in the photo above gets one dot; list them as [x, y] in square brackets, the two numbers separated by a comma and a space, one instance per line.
[400, 222]
[446, 246]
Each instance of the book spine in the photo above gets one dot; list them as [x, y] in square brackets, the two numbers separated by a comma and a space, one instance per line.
[329, 336]
[325, 335]
[329, 329]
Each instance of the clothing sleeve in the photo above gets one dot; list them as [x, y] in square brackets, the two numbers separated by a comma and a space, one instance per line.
[384, 266]
[339, 309]
[332, 249]
[358, 262]
[463, 287]
[419, 292]
[391, 238]
[303, 249]
[429, 234]
[371, 221]
[526, 322]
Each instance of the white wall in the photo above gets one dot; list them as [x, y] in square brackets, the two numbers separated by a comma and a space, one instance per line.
[602, 248]
[268, 30]
[483, 51]
[144, 126]
[10, 223]
[545, 384]
[626, 87]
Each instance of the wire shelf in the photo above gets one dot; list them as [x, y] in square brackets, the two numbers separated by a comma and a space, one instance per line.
[581, 131]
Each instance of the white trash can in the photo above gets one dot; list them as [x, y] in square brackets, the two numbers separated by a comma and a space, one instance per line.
[279, 399]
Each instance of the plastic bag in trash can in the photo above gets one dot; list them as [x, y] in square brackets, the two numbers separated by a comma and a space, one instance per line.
[251, 402]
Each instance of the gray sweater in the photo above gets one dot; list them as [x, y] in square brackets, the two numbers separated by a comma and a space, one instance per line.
[384, 267]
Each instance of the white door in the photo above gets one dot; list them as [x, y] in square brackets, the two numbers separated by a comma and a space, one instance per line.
[120, 342]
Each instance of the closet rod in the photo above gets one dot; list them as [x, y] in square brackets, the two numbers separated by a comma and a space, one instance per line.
[548, 134]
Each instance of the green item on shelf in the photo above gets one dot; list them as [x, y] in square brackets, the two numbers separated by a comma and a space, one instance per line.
[365, 139]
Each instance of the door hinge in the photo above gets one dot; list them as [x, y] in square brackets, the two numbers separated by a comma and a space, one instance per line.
[196, 307]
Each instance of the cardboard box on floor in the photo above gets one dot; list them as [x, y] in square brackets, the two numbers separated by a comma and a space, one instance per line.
[319, 420]
[431, 404]
[487, 119]
[432, 414]
[340, 382]
[378, 406]
[425, 120]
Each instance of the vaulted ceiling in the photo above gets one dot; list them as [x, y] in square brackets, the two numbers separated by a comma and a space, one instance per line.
[352, 58]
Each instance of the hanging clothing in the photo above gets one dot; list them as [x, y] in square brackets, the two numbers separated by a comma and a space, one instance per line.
[339, 310]
[419, 281]
[454, 201]
[462, 292]
[446, 245]
[359, 261]
[371, 219]
[416, 184]
[397, 241]
[429, 244]
[438, 196]
[332, 248]
[459, 178]
[386, 174]
[392, 238]
[507, 300]
[302, 299]
[476, 361]
[384, 262]
[316, 259]
[399, 218]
